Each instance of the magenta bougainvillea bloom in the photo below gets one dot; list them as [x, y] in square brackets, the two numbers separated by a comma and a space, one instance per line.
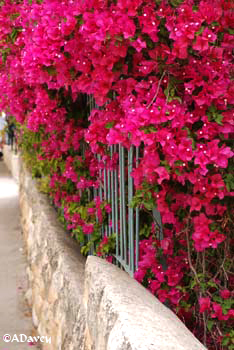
[205, 304]
[161, 75]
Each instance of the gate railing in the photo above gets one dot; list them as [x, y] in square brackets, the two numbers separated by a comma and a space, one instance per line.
[117, 188]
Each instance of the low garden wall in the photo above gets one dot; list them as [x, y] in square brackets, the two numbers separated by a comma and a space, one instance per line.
[87, 304]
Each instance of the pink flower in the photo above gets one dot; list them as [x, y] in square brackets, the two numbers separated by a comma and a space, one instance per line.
[139, 275]
[154, 286]
[218, 312]
[109, 259]
[162, 295]
[225, 293]
[202, 41]
[174, 276]
[196, 204]
[205, 304]
[88, 229]
[108, 208]
[91, 211]
[163, 174]
[174, 296]
[138, 44]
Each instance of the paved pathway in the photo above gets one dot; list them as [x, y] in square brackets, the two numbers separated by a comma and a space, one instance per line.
[15, 317]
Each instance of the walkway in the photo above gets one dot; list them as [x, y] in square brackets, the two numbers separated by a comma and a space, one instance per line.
[15, 317]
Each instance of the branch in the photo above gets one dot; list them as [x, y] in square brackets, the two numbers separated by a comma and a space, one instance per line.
[156, 94]
[190, 260]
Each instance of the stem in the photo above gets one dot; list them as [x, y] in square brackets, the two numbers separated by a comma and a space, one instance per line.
[204, 316]
[204, 329]
[226, 276]
[203, 263]
[190, 260]
[220, 268]
[157, 91]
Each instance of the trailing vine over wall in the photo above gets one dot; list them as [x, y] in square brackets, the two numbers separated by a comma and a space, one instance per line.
[162, 72]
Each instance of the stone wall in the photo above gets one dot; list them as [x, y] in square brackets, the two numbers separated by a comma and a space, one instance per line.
[55, 271]
[88, 305]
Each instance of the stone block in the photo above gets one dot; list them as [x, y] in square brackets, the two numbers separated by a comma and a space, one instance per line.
[123, 315]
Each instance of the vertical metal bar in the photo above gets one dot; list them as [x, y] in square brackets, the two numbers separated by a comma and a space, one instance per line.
[109, 198]
[112, 195]
[123, 201]
[116, 207]
[105, 193]
[100, 189]
[100, 179]
[137, 239]
[104, 183]
[137, 219]
[95, 195]
[130, 210]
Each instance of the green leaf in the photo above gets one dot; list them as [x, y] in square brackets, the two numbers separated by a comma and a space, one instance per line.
[5, 53]
[166, 165]
[227, 304]
[80, 20]
[79, 235]
[200, 31]
[148, 205]
[109, 125]
[210, 324]
[218, 118]
[171, 99]
[119, 37]
[214, 114]
[213, 226]
[145, 231]
[225, 341]
[178, 162]
[149, 129]
[218, 299]
[229, 182]
[175, 3]
[50, 69]
[212, 284]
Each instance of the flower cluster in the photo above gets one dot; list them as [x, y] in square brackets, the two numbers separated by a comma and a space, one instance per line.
[161, 75]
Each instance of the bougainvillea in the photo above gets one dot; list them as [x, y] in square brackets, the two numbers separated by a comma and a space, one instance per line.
[162, 73]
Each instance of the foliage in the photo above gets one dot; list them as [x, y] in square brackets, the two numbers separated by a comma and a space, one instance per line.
[162, 75]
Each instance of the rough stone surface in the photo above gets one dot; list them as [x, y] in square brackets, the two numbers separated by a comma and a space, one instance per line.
[15, 315]
[55, 271]
[123, 315]
[92, 305]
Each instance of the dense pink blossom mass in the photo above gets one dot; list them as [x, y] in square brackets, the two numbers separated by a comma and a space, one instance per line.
[162, 73]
